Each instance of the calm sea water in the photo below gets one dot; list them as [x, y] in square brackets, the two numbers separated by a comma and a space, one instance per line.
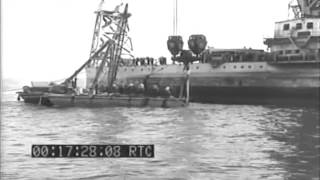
[202, 141]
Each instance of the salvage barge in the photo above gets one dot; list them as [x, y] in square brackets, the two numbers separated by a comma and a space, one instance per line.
[108, 53]
[112, 101]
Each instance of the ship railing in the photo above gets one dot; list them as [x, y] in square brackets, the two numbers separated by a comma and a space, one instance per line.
[147, 61]
[298, 57]
[218, 58]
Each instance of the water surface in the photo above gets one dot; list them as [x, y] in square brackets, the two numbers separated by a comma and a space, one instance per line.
[202, 141]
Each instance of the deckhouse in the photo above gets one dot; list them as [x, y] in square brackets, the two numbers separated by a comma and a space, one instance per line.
[298, 38]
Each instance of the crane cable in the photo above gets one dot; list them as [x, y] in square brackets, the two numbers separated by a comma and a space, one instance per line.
[175, 17]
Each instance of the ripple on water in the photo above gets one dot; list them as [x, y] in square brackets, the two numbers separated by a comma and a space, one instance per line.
[201, 141]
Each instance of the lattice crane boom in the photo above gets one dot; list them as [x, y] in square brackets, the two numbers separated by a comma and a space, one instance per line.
[111, 27]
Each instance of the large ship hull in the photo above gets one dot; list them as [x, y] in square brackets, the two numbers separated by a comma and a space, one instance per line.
[256, 95]
[231, 82]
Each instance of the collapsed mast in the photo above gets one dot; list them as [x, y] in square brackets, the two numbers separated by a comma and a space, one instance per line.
[111, 30]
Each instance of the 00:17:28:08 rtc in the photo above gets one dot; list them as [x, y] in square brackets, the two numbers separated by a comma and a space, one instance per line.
[93, 151]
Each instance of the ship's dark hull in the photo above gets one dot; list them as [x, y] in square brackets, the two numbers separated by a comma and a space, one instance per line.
[256, 95]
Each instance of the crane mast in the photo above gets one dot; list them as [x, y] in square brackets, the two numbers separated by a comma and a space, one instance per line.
[110, 30]
[306, 8]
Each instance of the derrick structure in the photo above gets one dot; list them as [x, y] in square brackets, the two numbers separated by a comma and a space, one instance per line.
[111, 30]
[309, 8]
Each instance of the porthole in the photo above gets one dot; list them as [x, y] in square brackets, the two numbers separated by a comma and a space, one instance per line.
[197, 67]
[242, 67]
[141, 69]
[249, 67]
[224, 67]
[234, 67]
[261, 67]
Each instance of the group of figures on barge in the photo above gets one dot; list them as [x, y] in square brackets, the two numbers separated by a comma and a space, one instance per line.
[289, 71]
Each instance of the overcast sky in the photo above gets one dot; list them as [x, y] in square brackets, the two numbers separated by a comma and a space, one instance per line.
[50, 39]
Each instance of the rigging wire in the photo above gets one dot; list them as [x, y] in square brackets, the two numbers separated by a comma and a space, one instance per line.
[176, 17]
